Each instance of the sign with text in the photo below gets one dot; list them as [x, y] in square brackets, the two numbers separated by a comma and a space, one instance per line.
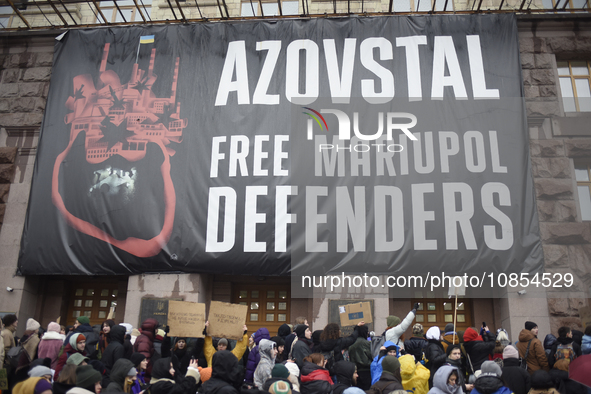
[393, 145]
[352, 314]
[226, 320]
[186, 319]
[155, 308]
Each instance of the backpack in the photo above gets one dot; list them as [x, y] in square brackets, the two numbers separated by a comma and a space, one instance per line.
[12, 357]
[330, 360]
[563, 356]
[376, 343]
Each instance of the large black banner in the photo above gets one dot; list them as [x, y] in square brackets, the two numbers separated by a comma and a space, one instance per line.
[384, 145]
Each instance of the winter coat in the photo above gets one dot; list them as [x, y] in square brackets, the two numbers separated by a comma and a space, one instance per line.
[415, 346]
[144, 344]
[8, 338]
[50, 346]
[61, 388]
[68, 351]
[435, 357]
[489, 385]
[415, 377]
[562, 341]
[394, 333]
[253, 356]
[440, 382]
[115, 349]
[118, 372]
[29, 341]
[385, 385]
[457, 364]
[565, 385]
[337, 345]
[238, 350]
[163, 383]
[139, 384]
[92, 338]
[376, 364]
[515, 377]
[301, 350]
[478, 348]
[315, 379]
[549, 341]
[360, 354]
[586, 344]
[224, 374]
[449, 340]
[536, 358]
[344, 371]
[266, 363]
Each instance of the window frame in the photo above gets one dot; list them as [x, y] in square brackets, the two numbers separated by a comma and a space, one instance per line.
[579, 183]
[572, 78]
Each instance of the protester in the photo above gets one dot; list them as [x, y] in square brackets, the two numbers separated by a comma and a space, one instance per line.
[450, 337]
[586, 341]
[389, 349]
[104, 335]
[29, 342]
[82, 326]
[10, 323]
[225, 374]
[454, 359]
[238, 350]
[164, 381]
[390, 379]
[301, 345]
[66, 380]
[87, 378]
[280, 373]
[415, 377]
[515, 377]
[121, 370]
[144, 343]
[360, 354]
[77, 359]
[478, 347]
[564, 350]
[541, 383]
[489, 381]
[292, 337]
[114, 350]
[315, 377]
[396, 327]
[254, 356]
[267, 352]
[445, 381]
[140, 362]
[536, 357]
[434, 354]
[76, 344]
[332, 345]
[347, 376]
[281, 353]
[417, 342]
[50, 344]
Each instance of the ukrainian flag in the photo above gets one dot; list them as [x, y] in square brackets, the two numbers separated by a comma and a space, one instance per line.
[146, 39]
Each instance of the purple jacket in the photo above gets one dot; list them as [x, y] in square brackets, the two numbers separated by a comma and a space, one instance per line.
[254, 357]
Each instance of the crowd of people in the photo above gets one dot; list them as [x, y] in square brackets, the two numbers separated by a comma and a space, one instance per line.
[118, 358]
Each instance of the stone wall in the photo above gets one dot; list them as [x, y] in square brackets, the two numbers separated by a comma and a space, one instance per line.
[556, 139]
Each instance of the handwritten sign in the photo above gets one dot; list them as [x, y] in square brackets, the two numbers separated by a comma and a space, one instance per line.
[186, 319]
[226, 320]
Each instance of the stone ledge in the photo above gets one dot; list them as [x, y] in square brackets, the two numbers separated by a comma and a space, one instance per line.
[557, 211]
[565, 233]
[8, 154]
[546, 148]
[578, 147]
[551, 167]
[553, 189]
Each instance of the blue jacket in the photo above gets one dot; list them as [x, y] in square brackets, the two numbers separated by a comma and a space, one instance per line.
[254, 357]
[586, 344]
[376, 364]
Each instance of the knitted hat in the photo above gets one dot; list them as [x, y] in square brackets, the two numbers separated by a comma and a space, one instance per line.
[77, 359]
[293, 369]
[278, 340]
[280, 371]
[32, 324]
[53, 326]
[417, 329]
[39, 371]
[9, 320]
[541, 380]
[510, 352]
[449, 327]
[300, 330]
[137, 358]
[41, 386]
[530, 325]
[452, 347]
[75, 338]
[390, 364]
[280, 387]
[87, 376]
[490, 368]
[83, 320]
[205, 374]
[223, 341]
[392, 321]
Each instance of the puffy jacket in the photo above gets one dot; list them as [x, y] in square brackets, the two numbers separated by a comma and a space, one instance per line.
[394, 333]
[144, 344]
[344, 371]
[253, 356]
[163, 383]
[238, 350]
[385, 385]
[115, 349]
[301, 350]
[536, 358]
[435, 357]
[315, 379]
[376, 364]
[337, 345]
[478, 348]
[415, 377]
[118, 373]
[489, 385]
[415, 346]
[224, 374]
[68, 351]
[515, 377]
[360, 354]
[266, 363]
[586, 344]
[440, 382]
[92, 338]
[50, 346]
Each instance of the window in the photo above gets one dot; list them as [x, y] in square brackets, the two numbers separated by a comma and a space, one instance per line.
[5, 17]
[565, 4]
[251, 8]
[582, 174]
[574, 84]
[440, 311]
[93, 300]
[128, 9]
[268, 305]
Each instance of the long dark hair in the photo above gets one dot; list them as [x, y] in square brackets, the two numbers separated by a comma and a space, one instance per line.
[331, 331]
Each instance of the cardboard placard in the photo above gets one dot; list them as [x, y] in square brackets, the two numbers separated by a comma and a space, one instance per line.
[351, 314]
[186, 319]
[585, 314]
[226, 320]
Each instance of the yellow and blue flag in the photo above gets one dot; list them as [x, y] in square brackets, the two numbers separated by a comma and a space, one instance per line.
[146, 39]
